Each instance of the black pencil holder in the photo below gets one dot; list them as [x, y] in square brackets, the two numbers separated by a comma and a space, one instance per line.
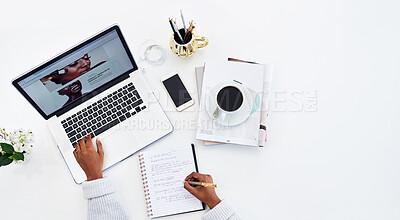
[182, 32]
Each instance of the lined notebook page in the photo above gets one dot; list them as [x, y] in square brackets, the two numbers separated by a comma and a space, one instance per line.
[163, 173]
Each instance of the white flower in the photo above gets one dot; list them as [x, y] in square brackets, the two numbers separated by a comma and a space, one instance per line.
[20, 139]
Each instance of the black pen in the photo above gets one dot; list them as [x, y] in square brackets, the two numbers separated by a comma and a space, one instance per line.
[172, 26]
[176, 31]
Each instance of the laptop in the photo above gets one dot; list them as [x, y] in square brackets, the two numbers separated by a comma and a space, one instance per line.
[94, 88]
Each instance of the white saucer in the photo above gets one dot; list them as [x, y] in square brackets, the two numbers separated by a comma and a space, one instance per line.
[230, 119]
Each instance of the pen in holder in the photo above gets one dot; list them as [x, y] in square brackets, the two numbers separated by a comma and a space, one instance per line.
[185, 50]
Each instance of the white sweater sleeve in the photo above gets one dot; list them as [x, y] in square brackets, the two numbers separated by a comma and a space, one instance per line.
[102, 203]
[222, 211]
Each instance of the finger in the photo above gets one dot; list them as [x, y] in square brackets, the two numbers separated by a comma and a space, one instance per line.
[75, 154]
[200, 177]
[99, 148]
[89, 143]
[189, 188]
[193, 175]
[81, 145]
[77, 147]
[189, 176]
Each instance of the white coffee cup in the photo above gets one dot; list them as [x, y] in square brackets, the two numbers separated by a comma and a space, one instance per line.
[229, 98]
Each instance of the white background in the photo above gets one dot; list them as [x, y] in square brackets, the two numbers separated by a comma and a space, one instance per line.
[337, 162]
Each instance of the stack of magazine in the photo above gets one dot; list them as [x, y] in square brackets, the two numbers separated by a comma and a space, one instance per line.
[257, 79]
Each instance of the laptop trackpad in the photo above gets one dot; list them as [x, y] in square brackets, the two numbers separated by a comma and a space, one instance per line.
[118, 145]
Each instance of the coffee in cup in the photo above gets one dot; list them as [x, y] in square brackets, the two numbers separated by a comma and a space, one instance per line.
[229, 98]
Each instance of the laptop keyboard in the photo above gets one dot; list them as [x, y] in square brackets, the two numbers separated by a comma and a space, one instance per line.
[103, 114]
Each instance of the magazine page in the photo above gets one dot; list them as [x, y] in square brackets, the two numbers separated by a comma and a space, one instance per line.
[251, 77]
[264, 103]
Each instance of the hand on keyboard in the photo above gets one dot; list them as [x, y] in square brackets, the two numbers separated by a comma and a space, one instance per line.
[90, 160]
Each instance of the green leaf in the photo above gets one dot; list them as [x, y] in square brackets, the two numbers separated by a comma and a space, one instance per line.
[5, 160]
[8, 148]
[18, 156]
[12, 158]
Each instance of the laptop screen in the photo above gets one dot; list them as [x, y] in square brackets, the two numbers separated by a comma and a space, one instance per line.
[77, 72]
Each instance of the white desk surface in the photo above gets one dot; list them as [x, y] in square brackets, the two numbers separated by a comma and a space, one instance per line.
[338, 161]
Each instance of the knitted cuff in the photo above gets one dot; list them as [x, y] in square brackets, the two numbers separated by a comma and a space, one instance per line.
[97, 188]
[221, 211]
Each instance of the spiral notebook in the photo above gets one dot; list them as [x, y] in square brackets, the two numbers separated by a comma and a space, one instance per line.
[163, 173]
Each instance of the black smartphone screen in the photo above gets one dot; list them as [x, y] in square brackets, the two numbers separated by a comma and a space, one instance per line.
[177, 90]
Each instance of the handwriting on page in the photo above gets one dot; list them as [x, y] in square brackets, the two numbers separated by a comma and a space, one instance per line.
[167, 172]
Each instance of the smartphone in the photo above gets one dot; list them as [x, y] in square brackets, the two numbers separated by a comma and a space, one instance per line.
[177, 91]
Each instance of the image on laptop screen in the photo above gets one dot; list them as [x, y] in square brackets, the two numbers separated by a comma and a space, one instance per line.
[77, 74]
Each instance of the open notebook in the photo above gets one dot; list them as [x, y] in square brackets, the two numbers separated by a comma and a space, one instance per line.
[163, 173]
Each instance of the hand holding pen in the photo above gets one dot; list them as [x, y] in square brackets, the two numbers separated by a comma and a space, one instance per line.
[204, 194]
[195, 182]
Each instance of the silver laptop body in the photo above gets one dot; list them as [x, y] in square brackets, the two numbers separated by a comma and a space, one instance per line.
[94, 88]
